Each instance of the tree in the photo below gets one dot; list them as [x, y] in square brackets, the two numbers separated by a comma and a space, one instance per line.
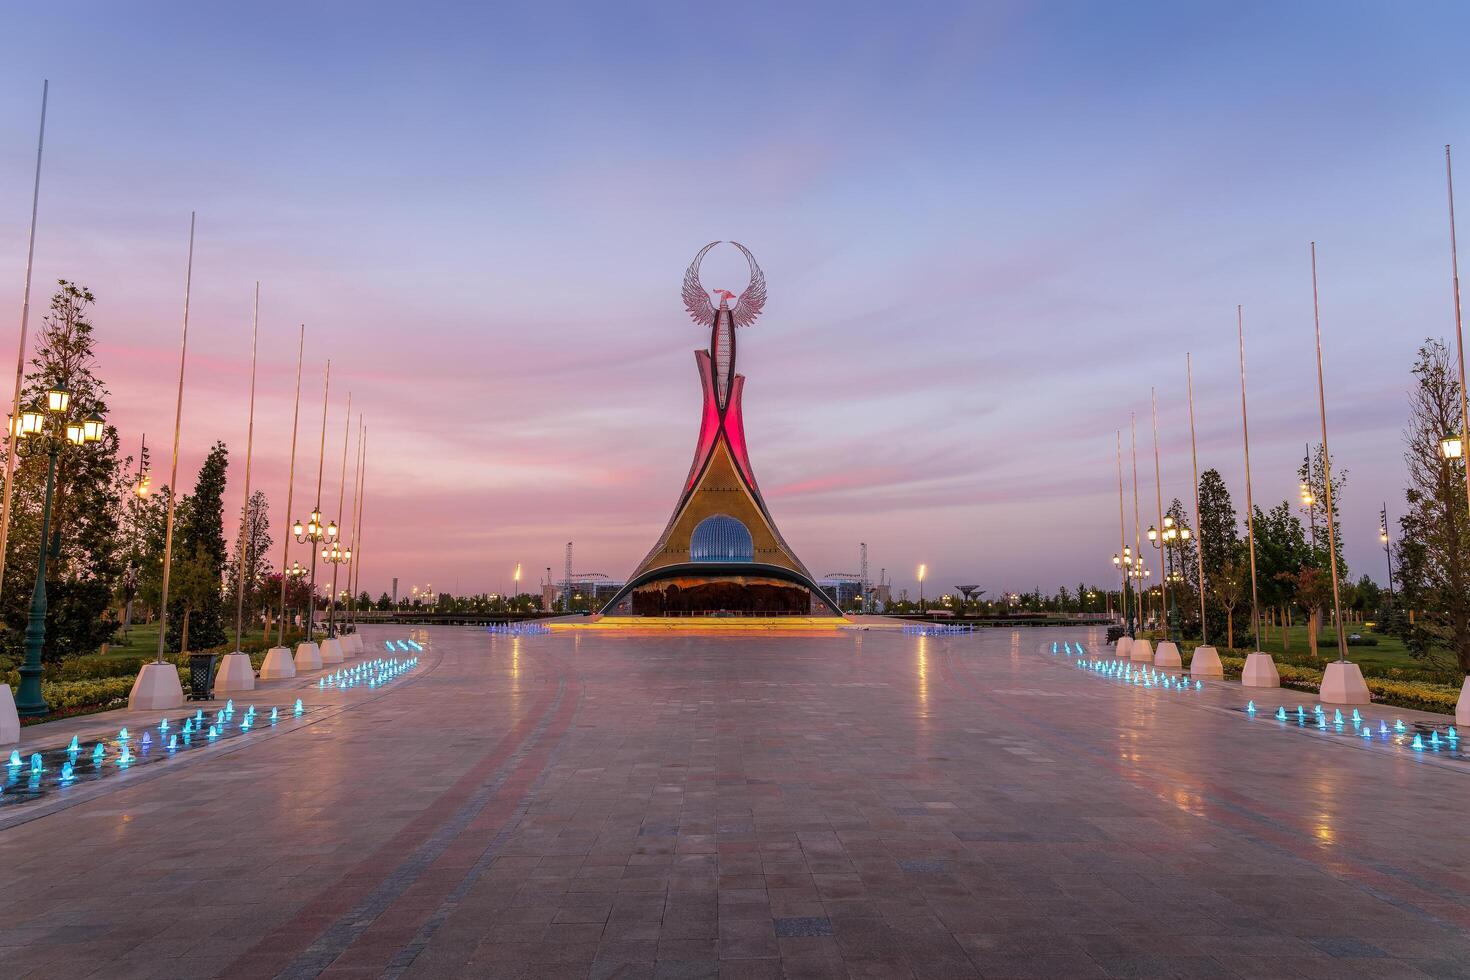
[1312, 475]
[1312, 589]
[1228, 587]
[193, 585]
[385, 602]
[83, 563]
[1367, 597]
[1219, 534]
[1281, 551]
[201, 530]
[256, 542]
[1434, 541]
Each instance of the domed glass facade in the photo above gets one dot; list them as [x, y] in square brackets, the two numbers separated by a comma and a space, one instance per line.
[721, 538]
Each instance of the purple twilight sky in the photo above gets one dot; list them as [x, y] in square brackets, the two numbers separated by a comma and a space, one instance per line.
[987, 229]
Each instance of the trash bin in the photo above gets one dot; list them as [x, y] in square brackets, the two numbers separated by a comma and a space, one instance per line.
[201, 676]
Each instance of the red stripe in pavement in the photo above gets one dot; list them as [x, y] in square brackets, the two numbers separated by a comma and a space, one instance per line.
[375, 949]
[274, 952]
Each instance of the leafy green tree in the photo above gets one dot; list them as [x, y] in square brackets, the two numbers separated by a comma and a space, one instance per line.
[1312, 475]
[1367, 597]
[1311, 589]
[83, 562]
[256, 543]
[1230, 589]
[193, 587]
[1434, 540]
[1281, 551]
[1219, 529]
[200, 530]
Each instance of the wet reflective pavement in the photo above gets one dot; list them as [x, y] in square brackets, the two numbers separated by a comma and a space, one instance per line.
[854, 804]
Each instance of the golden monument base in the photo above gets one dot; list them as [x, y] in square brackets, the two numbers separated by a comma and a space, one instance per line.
[702, 624]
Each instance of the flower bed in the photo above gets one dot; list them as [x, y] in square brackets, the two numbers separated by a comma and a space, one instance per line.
[1420, 695]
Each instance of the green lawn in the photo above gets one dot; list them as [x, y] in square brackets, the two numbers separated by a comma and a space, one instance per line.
[1388, 653]
[142, 641]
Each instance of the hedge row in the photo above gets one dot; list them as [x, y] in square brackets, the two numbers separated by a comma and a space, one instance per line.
[1422, 695]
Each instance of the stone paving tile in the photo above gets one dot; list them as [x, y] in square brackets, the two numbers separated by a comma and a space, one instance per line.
[856, 805]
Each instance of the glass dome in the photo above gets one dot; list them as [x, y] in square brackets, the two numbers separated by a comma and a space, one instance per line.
[721, 538]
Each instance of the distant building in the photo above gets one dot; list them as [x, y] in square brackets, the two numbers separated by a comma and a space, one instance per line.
[845, 592]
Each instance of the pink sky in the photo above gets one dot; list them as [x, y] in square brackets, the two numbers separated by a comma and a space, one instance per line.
[985, 236]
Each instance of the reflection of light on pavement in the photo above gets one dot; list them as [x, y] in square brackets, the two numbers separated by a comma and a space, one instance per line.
[1190, 803]
[1324, 823]
[923, 668]
[515, 658]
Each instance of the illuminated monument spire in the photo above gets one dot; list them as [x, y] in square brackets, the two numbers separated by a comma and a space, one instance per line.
[721, 551]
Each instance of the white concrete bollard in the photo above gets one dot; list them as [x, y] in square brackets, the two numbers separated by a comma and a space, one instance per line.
[277, 665]
[308, 657]
[1462, 707]
[9, 719]
[156, 689]
[1342, 683]
[1167, 655]
[1121, 650]
[1141, 651]
[1206, 663]
[332, 651]
[235, 673]
[351, 644]
[1260, 671]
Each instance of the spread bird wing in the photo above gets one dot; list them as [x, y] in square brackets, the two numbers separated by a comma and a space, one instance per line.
[696, 300]
[753, 300]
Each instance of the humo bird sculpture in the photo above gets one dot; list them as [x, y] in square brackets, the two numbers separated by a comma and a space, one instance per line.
[723, 320]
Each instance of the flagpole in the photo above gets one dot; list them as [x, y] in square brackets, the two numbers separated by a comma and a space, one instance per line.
[20, 357]
[362, 506]
[1126, 565]
[316, 512]
[1163, 542]
[356, 565]
[173, 473]
[291, 484]
[1459, 329]
[249, 451]
[352, 538]
[1327, 469]
[1199, 538]
[341, 499]
[1137, 537]
[1250, 509]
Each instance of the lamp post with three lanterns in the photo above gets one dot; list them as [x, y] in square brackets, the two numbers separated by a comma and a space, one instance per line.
[1124, 564]
[336, 556]
[315, 532]
[1171, 537]
[37, 437]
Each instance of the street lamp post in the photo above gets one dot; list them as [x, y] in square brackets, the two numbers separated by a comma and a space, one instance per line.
[923, 571]
[314, 532]
[336, 556]
[297, 571]
[35, 438]
[1387, 554]
[1170, 538]
[1124, 564]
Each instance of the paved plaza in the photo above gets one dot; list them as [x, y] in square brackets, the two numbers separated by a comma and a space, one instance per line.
[825, 805]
